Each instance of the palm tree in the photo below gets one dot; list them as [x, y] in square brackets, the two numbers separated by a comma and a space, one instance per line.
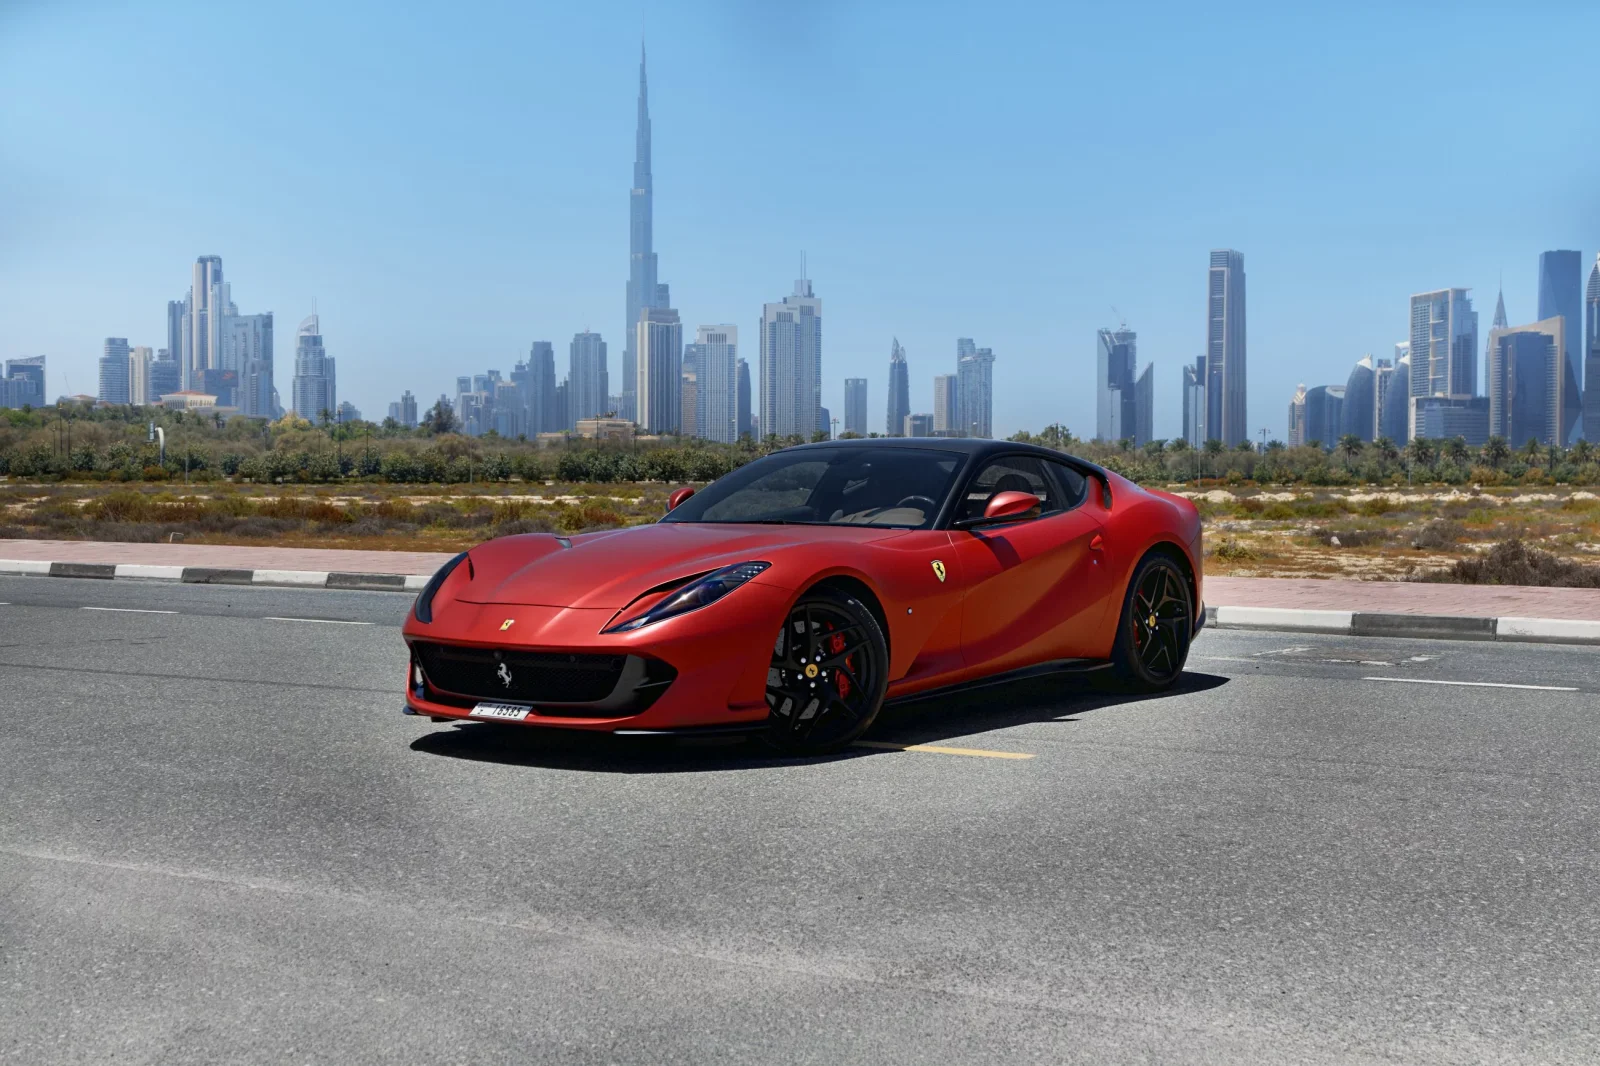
[1531, 450]
[1458, 451]
[1422, 452]
[1351, 447]
[1386, 449]
[1496, 451]
[1582, 451]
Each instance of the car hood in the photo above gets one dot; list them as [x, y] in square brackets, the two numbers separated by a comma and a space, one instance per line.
[613, 568]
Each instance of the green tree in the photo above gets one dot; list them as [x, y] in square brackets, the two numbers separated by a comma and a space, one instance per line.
[1386, 450]
[1496, 451]
[1351, 447]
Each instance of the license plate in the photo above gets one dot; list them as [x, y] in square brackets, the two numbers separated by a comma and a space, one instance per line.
[504, 712]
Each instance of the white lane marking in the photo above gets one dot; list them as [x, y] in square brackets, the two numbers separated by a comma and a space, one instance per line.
[127, 610]
[1472, 684]
[324, 621]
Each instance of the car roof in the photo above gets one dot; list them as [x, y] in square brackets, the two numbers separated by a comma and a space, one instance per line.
[971, 446]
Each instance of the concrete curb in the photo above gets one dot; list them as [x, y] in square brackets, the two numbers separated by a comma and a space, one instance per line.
[1380, 624]
[1343, 623]
[211, 575]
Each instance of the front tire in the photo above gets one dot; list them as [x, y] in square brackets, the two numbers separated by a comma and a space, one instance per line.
[1154, 628]
[830, 667]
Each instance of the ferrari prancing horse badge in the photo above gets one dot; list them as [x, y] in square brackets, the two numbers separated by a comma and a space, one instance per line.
[938, 570]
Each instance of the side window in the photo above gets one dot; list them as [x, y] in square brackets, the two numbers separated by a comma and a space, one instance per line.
[1074, 487]
[1014, 473]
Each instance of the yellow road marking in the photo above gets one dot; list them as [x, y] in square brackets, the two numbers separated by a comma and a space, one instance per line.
[935, 749]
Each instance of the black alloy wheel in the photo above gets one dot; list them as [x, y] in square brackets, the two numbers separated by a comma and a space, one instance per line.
[828, 674]
[1156, 625]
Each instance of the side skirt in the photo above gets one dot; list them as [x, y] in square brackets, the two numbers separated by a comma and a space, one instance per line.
[1054, 668]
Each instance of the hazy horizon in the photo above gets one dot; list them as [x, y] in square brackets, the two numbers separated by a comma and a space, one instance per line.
[450, 187]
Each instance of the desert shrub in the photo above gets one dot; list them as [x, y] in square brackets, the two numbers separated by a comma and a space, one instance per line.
[1350, 538]
[536, 524]
[1514, 563]
[1233, 551]
[1439, 534]
[1379, 506]
[262, 527]
[373, 526]
[1278, 511]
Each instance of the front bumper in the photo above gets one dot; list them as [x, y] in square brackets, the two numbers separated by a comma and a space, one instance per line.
[720, 655]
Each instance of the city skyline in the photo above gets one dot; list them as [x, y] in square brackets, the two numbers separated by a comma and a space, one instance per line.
[896, 289]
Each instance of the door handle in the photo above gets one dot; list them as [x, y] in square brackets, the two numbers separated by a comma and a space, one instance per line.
[1098, 543]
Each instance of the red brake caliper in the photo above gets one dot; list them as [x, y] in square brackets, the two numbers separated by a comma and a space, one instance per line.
[836, 645]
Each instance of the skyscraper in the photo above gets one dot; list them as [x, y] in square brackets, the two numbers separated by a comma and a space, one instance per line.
[1194, 402]
[975, 392]
[1360, 417]
[247, 350]
[588, 384]
[644, 291]
[177, 333]
[1444, 346]
[920, 425]
[1226, 415]
[1591, 374]
[689, 390]
[1116, 403]
[114, 371]
[743, 416]
[717, 373]
[1394, 418]
[1145, 414]
[899, 391]
[1324, 414]
[314, 389]
[139, 360]
[658, 391]
[543, 414]
[1527, 379]
[166, 375]
[1561, 293]
[1382, 381]
[24, 382]
[946, 415]
[208, 302]
[855, 406]
[1297, 418]
[791, 364]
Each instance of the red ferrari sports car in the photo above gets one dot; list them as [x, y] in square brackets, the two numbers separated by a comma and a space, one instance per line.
[798, 593]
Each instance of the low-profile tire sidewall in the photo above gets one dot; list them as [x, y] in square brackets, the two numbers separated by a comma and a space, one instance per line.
[880, 652]
[1124, 659]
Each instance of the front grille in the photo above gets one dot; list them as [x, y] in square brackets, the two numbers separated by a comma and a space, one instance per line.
[536, 677]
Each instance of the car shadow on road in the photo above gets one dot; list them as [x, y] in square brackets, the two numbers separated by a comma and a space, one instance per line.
[934, 720]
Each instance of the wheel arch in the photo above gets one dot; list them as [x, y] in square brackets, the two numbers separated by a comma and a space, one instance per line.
[851, 585]
[1174, 551]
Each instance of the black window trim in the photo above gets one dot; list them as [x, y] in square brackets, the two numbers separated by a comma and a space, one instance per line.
[978, 460]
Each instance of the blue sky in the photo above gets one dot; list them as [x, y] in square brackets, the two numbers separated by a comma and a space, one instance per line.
[451, 183]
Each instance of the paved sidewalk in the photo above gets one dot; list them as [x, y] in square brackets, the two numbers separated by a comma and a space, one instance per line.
[225, 556]
[1400, 597]
[1388, 597]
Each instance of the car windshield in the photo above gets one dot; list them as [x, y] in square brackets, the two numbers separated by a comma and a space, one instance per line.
[862, 486]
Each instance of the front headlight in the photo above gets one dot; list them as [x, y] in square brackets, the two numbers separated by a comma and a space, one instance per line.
[693, 596]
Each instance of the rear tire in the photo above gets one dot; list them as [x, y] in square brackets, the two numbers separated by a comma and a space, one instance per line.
[829, 671]
[1154, 628]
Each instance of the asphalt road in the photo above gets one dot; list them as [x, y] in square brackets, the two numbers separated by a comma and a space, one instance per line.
[221, 842]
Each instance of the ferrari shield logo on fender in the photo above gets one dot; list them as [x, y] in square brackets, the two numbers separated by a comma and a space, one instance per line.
[506, 624]
[938, 569]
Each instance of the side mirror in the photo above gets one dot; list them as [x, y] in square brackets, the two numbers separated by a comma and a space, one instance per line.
[1008, 505]
[1004, 507]
[678, 496]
